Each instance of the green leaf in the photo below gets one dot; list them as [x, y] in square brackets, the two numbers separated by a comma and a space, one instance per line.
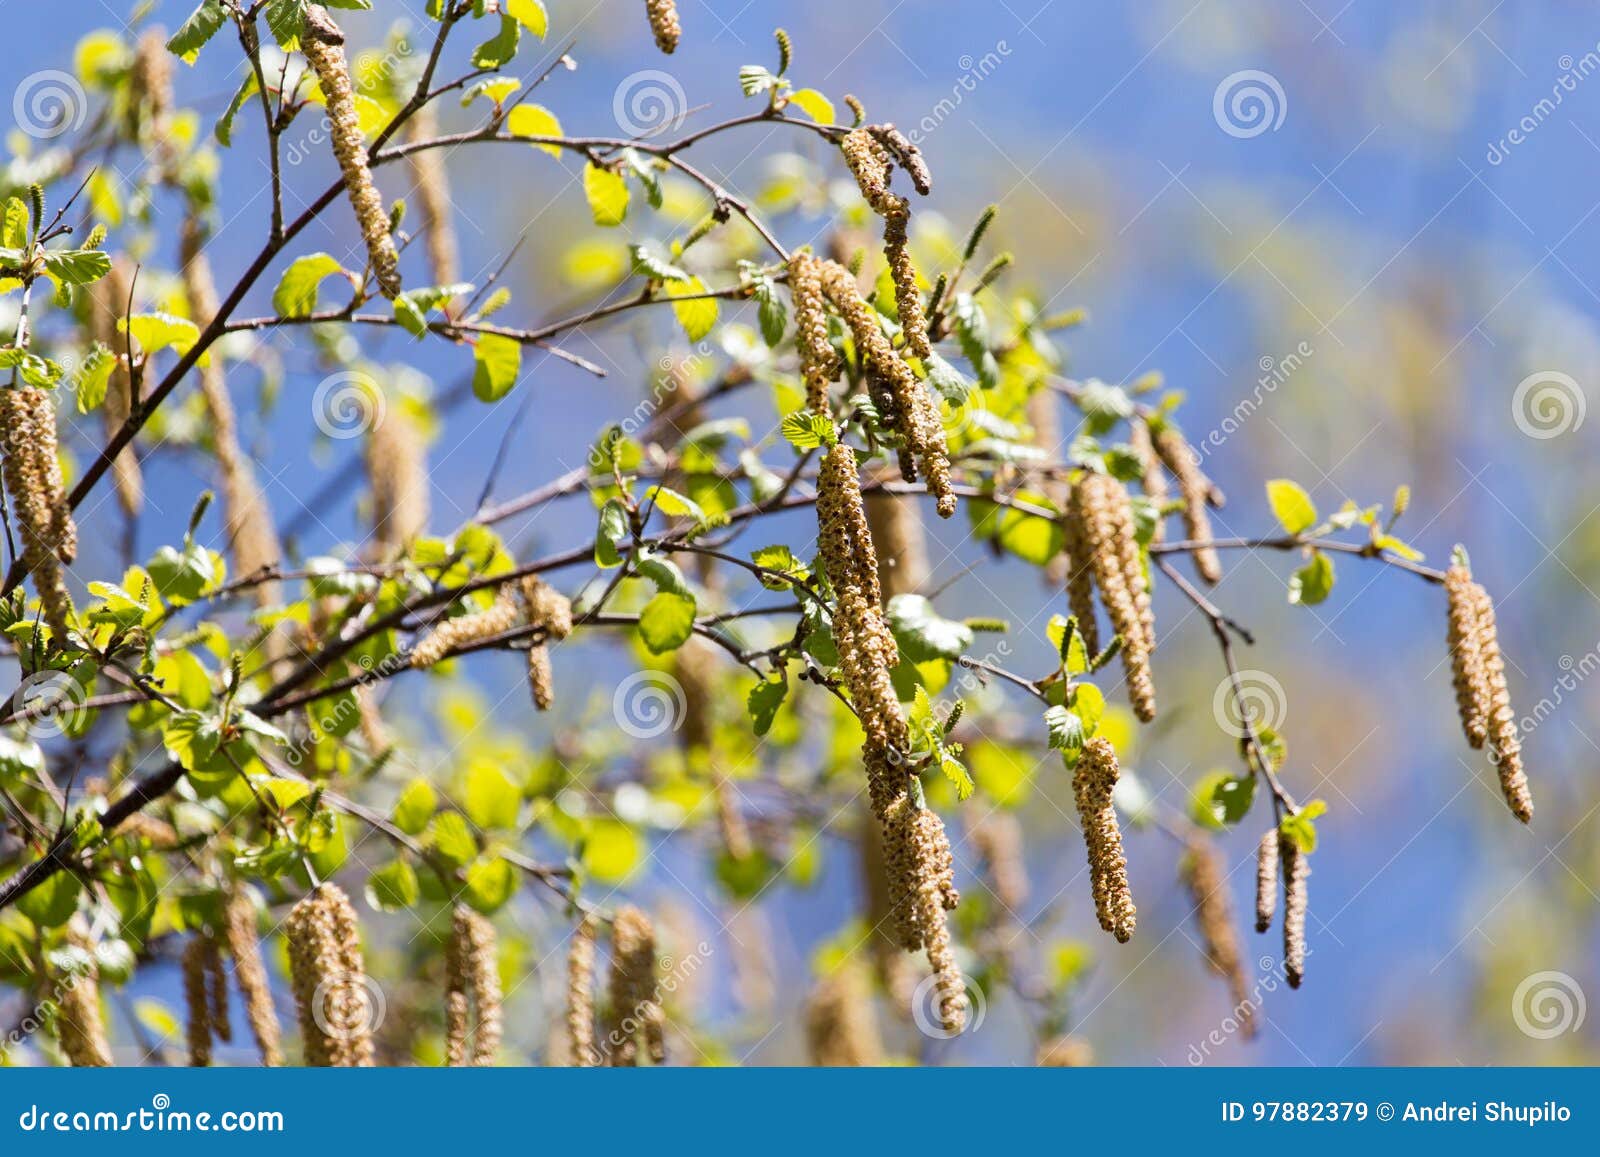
[754, 79]
[501, 47]
[415, 807]
[491, 800]
[183, 576]
[607, 193]
[77, 266]
[1299, 829]
[286, 19]
[697, 315]
[1065, 730]
[666, 622]
[763, 703]
[53, 902]
[613, 529]
[223, 130]
[94, 375]
[296, 294]
[452, 839]
[491, 882]
[1394, 545]
[202, 24]
[649, 262]
[949, 381]
[157, 331]
[393, 887]
[534, 120]
[675, 505]
[1089, 702]
[528, 13]
[285, 793]
[806, 430]
[771, 311]
[496, 88]
[496, 365]
[1222, 800]
[1292, 505]
[1312, 583]
[663, 572]
[924, 634]
[816, 106]
[956, 772]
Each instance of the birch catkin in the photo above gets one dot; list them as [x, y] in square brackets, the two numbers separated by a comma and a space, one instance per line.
[1093, 783]
[1196, 490]
[633, 985]
[432, 182]
[1266, 879]
[397, 471]
[501, 616]
[869, 164]
[819, 365]
[1207, 883]
[79, 1029]
[910, 157]
[1151, 478]
[1469, 674]
[841, 1028]
[32, 475]
[580, 995]
[664, 23]
[1105, 518]
[107, 300]
[1505, 744]
[1296, 872]
[473, 1012]
[251, 976]
[198, 955]
[322, 41]
[903, 272]
[329, 980]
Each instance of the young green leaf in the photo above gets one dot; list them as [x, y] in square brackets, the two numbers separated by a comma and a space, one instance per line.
[1293, 507]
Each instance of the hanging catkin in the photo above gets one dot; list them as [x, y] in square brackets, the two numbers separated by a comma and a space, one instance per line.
[501, 616]
[329, 980]
[197, 957]
[903, 272]
[1151, 476]
[221, 1026]
[149, 109]
[105, 302]
[397, 472]
[1043, 410]
[1505, 745]
[32, 474]
[546, 608]
[580, 995]
[432, 182]
[1105, 516]
[869, 164]
[819, 365]
[841, 1027]
[997, 839]
[1467, 668]
[1093, 783]
[323, 44]
[664, 23]
[79, 1029]
[1196, 490]
[633, 988]
[919, 851]
[910, 157]
[251, 975]
[1213, 913]
[473, 1013]
[1296, 872]
[1266, 879]
[1079, 567]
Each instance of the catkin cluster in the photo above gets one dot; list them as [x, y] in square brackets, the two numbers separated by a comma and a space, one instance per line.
[473, 1009]
[1101, 528]
[432, 182]
[580, 995]
[149, 109]
[251, 975]
[919, 857]
[819, 364]
[1092, 783]
[841, 1028]
[1296, 873]
[910, 158]
[500, 617]
[1197, 493]
[1213, 913]
[664, 23]
[323, 44]
[205, 995]
[904, 403]
[871, 166]
[635, 1010]
[1482, 694]
[32, 474]
[397, 473]
[329, 980]
[79, 1029]
[1151, 477]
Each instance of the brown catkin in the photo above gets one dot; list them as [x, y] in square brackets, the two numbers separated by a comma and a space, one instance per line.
[79, 1029]
[1196, 490]
[664, 23]
[251, 975]
[32, 476]
[1296, 871]
[869, 164]
[1467, 668]
[473, 1003]
[1080, 576]
[903, 272]
[1151, 476]
[541, 677]
[107, 300]
[329, 980]
[1093, 783]
[841, 1027]
[1064, 1052]
[1105, 516]
[197, 957]
[1505, 744]
[580, 995]
[907, 153]
[323, 44]
[998, 841]
[501, 616]
[1266, 879]
[819, 365]
[632, 986]
[432, 182]
[920, 847]
[397, 472]
[221, 1027]
[1213, 912]
[1043, 411]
